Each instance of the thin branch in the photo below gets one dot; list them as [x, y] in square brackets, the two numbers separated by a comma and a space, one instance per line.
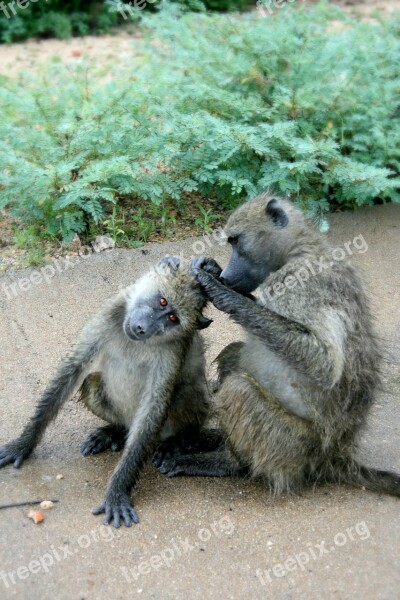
[15, 504]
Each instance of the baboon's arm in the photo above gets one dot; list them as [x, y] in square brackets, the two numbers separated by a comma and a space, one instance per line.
[295, 342]
[62, 387]
[140, 443]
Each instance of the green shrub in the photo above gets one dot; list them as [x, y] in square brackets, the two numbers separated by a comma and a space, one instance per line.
[227, 5]
[219, 105]
[217, 5]
[55, 18]
[54, 24]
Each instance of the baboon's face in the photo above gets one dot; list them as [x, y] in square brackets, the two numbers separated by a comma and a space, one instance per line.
[149, 317]
[164, 304]
[256, 234]
[242, 273]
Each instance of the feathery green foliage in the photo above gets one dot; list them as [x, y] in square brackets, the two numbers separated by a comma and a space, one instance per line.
[210, 104]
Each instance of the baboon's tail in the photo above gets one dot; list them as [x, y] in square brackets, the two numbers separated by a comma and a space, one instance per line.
[372, 479]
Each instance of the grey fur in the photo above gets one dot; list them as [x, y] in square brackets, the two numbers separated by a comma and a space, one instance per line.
[293, 397]
[147, 388]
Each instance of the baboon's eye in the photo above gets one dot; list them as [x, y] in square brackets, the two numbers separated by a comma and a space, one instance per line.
[163, 302]
[172, 317]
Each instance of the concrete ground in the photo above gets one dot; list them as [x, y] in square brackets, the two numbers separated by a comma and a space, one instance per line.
[197, 538]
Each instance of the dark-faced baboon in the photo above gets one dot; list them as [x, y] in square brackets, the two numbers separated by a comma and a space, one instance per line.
[294, 396]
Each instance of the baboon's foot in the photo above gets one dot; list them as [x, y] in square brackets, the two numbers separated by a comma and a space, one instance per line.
[219, 463]
[189, 442]
[104, 438]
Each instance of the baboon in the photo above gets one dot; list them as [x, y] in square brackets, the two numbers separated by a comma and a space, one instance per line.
[295, 395]
[139, 365]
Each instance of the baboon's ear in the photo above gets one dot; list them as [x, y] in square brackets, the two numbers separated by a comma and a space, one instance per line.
[203, 322]
[276, 213]
[171, 261]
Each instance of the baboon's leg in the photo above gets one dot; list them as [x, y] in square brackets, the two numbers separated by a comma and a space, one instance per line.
[219, 463]
[103, 438]
[189, 442]
[274, 443]
[93, 394]
[263, 436]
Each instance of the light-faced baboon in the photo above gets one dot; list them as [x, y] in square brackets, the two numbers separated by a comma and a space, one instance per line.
[139, 365]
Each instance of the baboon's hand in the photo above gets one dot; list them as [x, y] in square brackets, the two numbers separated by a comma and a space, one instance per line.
[209, 265]
[221, 296]
[14, 452]
[117, 507]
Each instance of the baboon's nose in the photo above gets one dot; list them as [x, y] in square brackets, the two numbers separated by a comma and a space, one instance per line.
[139, 329]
